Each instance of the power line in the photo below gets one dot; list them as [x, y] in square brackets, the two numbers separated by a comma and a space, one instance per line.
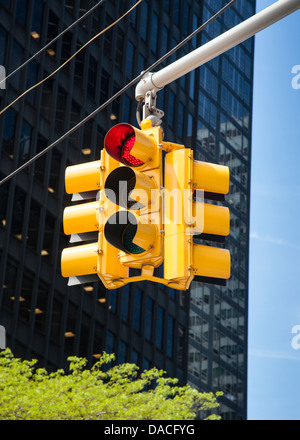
[53, 41]
[69, 59]
[116, 95]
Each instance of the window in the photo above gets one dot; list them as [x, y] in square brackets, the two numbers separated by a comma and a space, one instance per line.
[9, 132]
[31, 80]
[21, 11]
[3, 36]
[15, 61]
[125, 303]
[37, 17]
[137, 309]
[170, 336]
[144, 21]
[110, 343]
[119, 50]
[122, 352]
[171, 109]
[129, 60]
[154, 32]
[25, 142]
[33, 225]
[149, 319]
[113, 301]
[127, 109]
[159, 327]
[92, 77]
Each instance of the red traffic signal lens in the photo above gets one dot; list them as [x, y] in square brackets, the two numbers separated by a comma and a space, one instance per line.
[119, 142]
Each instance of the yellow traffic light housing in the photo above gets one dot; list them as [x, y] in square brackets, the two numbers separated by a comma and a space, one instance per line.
[135, 187]
[135, 215]
[85, 222]
[185, 219]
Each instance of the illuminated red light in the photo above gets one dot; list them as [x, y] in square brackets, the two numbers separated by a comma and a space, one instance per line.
[119, 142]
[127, 157]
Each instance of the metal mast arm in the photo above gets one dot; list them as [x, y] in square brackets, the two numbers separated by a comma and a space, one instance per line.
[157, 80]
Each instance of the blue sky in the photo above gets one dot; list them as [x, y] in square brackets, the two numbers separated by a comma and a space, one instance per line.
[274, 287]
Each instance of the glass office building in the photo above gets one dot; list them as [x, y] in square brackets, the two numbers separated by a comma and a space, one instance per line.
[199, 336]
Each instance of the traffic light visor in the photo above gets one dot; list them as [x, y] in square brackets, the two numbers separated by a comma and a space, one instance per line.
[129, 145]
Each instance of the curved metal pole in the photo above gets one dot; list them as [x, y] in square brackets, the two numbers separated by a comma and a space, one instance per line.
[156, 81]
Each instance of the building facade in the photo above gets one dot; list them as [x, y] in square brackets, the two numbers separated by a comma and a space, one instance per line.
[199, 336]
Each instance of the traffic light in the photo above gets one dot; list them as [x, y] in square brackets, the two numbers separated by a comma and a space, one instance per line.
[84, 222]
[135, 228]
[188, 219]
[137, 212]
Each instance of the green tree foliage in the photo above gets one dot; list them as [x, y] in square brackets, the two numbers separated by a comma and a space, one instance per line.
[119, 393]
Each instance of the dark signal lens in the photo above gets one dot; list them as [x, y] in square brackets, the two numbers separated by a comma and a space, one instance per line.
[128, 238]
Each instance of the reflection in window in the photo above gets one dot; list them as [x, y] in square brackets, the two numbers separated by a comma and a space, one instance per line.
[144, 21]
[3, 35]
[170, 336]
[137, 309]
[40, 163]
[159, 327]
[149, 319]
[25, 142]
[18, 213]
[9, 286]
[15, 61]
[47, 248]
[9, 132]
[21, 11]
[37, 17]
[122, 355]
[125, 303]
[33, 226]
[46, 98]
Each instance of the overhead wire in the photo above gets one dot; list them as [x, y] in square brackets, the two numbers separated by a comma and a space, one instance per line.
[118, 94]
[53, 41]
[69, 59]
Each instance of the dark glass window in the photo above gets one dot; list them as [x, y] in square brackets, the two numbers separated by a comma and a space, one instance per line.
[33, 226]
[119, 52]
[9, 286]
[148, 319]
[110, 342]
[5, 3]
[113, 301]
[3, 36]
[122, 352]
[170, 336]
[9, 132]
[15, 61]
[18, 213]
[52, 32]
[154, 33]
[21, 11]
[159, 327]
[137, 309]
[104, 86]
[37, 17]
[31, 80]
[92, 77]
[129, 60]
[4, 199]
[144, 21]
[25, 142]
[127, 109]
[125, 303]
